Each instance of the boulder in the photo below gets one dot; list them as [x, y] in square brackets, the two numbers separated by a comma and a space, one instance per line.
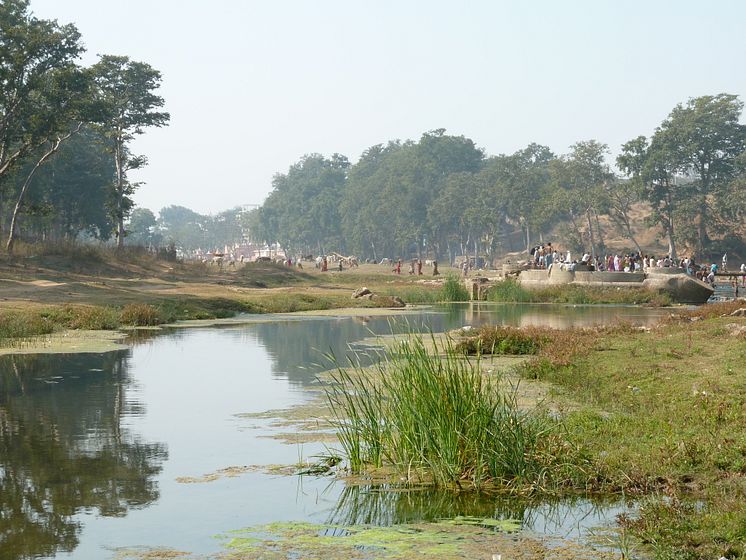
[360, 292]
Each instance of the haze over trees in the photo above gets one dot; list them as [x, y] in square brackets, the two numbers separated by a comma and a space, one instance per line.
[65, 156]
[443, 196]
[47, 100]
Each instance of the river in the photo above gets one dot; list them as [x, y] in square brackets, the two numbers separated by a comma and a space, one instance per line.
[92, 445]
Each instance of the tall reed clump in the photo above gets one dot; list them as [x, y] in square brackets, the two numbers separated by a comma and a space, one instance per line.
[509, 291]
[434, 413]
[453, 290]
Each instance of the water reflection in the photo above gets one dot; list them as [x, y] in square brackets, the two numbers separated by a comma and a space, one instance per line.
[386, 505]
[63, 449]
[297, 347]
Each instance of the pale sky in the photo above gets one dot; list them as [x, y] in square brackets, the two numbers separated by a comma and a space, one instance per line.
[252, 86]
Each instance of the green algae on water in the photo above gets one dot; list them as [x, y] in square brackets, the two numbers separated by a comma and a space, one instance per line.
[453, 538]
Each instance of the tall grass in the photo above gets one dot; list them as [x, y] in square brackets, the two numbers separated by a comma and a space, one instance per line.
[18, 327]
[435, 413]
[453, 290]
[509, 291]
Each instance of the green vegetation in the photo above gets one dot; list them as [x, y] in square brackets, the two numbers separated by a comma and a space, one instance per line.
[445, 193]
[65, 130]
[511, 291]
[505, 340]
[15, 328]
[452, 538]
[438, 417]
[663, 417]
[453, 290]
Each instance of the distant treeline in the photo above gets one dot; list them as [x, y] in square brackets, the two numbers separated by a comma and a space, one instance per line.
[442, 195]
[186, 229]
[65, 131]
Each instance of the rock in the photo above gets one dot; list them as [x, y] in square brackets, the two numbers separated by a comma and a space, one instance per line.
[360, 292]
[739, 312]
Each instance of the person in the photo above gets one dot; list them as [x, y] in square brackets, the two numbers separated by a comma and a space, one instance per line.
[411, 267]
[465, 268]
[340, 265]
[398, 267]
[743, 272]
[725, 262]
[419, 267]
[435, 268]
[324, 264]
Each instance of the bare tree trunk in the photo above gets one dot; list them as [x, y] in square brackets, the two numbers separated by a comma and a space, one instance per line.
[670, 231]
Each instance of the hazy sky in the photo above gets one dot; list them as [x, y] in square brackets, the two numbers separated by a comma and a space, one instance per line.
[252, 86]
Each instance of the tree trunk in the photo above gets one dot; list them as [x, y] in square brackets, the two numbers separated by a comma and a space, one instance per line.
[670, 231]
[601, 242]
[590, 235]
[119, 187]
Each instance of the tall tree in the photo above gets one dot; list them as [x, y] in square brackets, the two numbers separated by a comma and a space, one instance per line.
[581, 177]
[37, 81]
[703, 138]
[126, 90]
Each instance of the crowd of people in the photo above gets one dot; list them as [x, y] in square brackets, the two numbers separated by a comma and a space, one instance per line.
[545, 256]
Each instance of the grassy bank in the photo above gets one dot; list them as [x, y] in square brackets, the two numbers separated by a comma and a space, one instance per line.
[663, 419]
[511, 291]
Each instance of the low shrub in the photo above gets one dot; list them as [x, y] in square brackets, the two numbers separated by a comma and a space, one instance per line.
[504, 340]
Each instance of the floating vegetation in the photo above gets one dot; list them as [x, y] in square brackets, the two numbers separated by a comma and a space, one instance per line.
[446, 540]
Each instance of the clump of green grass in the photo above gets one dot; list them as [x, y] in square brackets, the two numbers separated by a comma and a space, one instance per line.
[435, 413]
[20, 326]
[140, 315]
[509, 291]
[86, 317]
[504, 340]
[453, 290]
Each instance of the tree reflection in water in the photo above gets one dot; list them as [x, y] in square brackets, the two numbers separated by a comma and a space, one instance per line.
[385, 505]
[63, 449]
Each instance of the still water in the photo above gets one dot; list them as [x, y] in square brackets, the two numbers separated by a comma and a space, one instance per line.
[91, 445]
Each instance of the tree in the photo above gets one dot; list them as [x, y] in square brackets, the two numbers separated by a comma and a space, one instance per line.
[651, 169]
[70, 192]
[688, 170]
[143, 228]
[702, 139]
[39, 82]
[126, 90]
[580, 179]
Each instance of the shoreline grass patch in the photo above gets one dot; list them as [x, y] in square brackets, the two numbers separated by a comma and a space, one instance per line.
[431, 413]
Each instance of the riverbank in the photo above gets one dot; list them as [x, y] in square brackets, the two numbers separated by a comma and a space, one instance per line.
[671, 428]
